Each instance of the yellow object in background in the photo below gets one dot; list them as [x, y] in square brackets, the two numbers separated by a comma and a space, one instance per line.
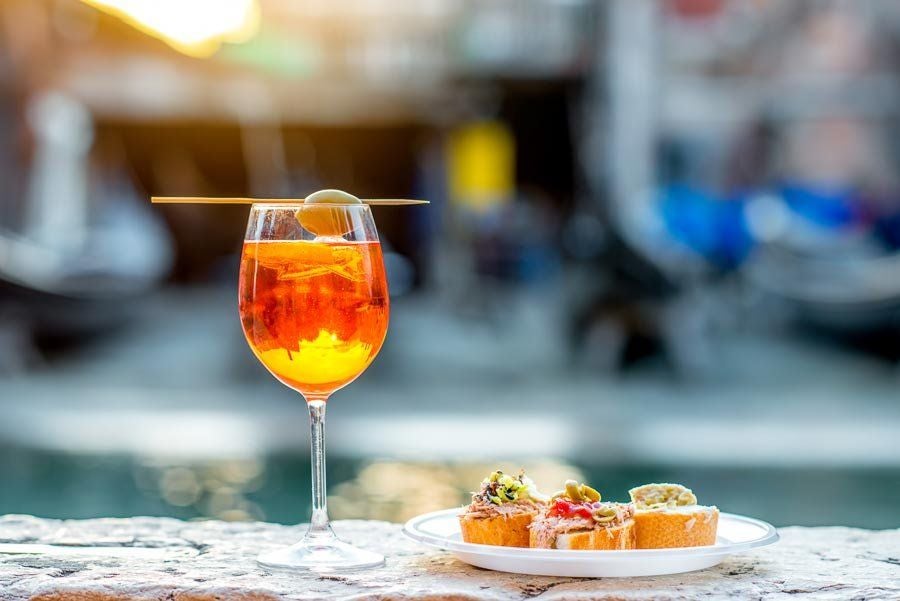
[193, 27]
[481, 165]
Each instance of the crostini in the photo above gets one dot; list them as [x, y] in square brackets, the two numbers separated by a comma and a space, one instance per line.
[575, 518]
[667, 516]
[501, 511]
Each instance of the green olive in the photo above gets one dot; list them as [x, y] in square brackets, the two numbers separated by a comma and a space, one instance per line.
[323, 220]
[603, 515]
[590, 493]
[573, 491]
[580, 493]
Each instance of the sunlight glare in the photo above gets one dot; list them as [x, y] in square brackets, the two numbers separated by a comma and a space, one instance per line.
[193, 27]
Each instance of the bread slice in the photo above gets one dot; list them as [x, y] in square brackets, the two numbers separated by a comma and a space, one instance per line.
[687, 526]
[505, 531]
[596, 539]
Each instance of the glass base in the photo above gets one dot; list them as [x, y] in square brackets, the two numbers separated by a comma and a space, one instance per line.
[323, 554]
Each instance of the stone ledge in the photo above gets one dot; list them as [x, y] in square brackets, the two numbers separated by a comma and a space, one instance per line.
[206, 561]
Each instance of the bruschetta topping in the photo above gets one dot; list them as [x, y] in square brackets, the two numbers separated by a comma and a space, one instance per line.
[651, 497]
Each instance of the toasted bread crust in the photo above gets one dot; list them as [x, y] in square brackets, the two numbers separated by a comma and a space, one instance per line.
[501, 530]
[597, 539]
[668, 529]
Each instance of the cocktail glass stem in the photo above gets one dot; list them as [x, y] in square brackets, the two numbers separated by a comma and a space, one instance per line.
[320, 549]
[319, 526]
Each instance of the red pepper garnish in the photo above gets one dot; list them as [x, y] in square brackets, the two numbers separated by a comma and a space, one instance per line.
[566, 509]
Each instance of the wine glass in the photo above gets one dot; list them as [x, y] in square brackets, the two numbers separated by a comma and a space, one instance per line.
[314, 307]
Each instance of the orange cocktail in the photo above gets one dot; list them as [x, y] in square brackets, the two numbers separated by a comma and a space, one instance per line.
[313, 302]
[315, 312]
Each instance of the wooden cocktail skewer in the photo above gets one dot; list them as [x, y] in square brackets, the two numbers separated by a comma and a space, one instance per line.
[247, 201]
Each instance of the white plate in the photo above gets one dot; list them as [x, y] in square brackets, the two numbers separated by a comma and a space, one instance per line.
[736, 534]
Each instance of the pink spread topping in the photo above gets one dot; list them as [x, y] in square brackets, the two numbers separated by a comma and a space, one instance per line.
[567, 516]
[480, 508]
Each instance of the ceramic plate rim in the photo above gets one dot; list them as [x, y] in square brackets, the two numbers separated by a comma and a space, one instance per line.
[412, 531]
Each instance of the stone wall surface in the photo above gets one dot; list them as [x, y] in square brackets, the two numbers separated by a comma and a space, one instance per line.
[159, 559]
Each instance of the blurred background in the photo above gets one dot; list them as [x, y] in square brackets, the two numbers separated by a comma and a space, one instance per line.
[663, 244]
